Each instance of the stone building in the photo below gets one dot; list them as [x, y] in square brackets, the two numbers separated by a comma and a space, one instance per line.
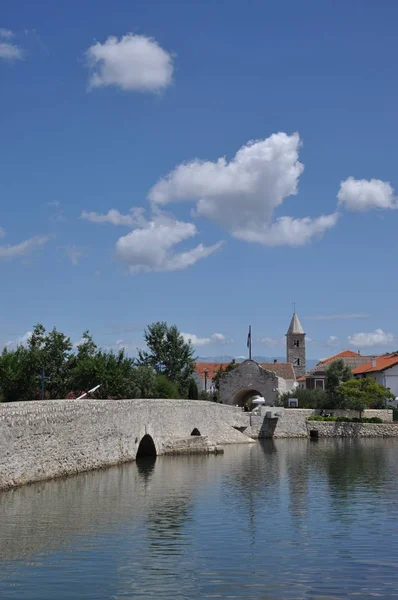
[295, 346]
[316, 377]
[250, 379]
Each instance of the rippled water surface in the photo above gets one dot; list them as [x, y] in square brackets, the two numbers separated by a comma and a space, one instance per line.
[284, 519]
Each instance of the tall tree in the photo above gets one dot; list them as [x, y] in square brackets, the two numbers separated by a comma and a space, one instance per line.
[168, 354]
[338, 372]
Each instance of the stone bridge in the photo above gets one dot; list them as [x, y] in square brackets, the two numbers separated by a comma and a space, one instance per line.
[41, 440]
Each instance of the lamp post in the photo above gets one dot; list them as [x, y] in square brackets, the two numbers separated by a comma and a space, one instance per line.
[205, 372]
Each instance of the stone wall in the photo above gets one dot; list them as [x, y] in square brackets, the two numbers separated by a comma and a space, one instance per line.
[41, 440]
[292, 422]
[248, 376]
[324, 429]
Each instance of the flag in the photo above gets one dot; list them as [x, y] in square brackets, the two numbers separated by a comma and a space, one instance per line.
[249, 337]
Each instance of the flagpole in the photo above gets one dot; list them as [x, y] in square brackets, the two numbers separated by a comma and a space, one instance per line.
[250, 342]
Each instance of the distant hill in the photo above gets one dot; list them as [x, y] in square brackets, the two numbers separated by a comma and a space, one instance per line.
[225, 358]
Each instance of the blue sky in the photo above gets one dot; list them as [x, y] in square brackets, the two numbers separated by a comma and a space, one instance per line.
[246, 151]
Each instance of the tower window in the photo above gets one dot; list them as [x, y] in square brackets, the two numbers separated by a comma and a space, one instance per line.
[296, 362]
[296, 343]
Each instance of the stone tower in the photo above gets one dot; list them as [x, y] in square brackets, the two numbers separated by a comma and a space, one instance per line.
[295, 346]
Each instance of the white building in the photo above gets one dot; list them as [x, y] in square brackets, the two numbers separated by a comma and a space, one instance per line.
[384, 369]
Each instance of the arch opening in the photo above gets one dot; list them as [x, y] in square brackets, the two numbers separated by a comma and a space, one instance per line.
[245, 397]
[196, 431]
[147, 448]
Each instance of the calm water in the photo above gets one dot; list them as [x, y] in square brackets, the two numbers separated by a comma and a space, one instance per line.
[284, 519]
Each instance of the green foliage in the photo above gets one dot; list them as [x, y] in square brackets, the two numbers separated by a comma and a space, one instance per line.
[346, 419]
[168, 354]
[193, 393]
[71, 373]
[359, 394]
[165, 388]
[306, 398]
[336, 373]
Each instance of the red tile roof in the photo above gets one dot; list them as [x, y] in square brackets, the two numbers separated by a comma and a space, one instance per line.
[343, 354]
[284, 370]
[302, 378]
[211, 368]
[382, 363]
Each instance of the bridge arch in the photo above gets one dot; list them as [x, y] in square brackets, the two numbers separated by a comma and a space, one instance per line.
[146, 448]
[245, 397]
[196, 431]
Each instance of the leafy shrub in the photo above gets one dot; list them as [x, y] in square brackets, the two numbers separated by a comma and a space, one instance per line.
[330, 419]
[345, 419]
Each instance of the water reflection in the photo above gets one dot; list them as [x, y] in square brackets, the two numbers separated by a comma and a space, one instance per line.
[279, 519]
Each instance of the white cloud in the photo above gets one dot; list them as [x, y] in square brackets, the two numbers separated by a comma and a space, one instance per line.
[241, 195]
[74, 253]
[337, 317]
[374, 338]
[21, 340]
[287, 231]
[6, 34]
[135, 62]
[23, 248]
[363, 194]
[151, 247]
[9, 51]
[215, 338]
[271, 342]
[2, 232]
[333, 341]
[114, 217]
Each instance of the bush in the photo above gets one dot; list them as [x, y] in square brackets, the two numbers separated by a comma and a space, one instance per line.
[330, 418]
[345, 419]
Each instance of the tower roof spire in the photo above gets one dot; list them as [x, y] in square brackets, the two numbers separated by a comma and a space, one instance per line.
[295, 326]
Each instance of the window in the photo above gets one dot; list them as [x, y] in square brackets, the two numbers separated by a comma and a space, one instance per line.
[319, 384]
[296, 343]
[296, 362]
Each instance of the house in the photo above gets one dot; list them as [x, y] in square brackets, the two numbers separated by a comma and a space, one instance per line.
[204, 374]
[316, 377]
[384, 369]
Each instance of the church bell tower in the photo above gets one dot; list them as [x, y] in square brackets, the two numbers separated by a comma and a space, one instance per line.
[295, 346]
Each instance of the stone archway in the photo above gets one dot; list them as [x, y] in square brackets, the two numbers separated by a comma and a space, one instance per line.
[195, 431]
[146, 448]
[245, 397]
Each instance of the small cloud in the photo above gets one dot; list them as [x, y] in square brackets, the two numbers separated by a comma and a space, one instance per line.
[2, 232]
[151, 247]
[363, 194]
[8, 50]
[270, 341]
[215, 338]
[74, 253]
[24, 248]
[6, 34]
[114, 217]
[374, 338]
[54, 203]
[21, 340]
[132, 63]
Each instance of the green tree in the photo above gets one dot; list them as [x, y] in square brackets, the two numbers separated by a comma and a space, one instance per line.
[306, 398]
[56, 352]
[168, 354]
[193, 393]
[18, 377]
[337, 372]
[359, 394]
[166, 388]
[145, 381]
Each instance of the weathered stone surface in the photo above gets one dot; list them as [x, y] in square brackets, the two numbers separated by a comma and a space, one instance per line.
[41, 440]
[293, 422]
[247, 378]
[336, 429]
